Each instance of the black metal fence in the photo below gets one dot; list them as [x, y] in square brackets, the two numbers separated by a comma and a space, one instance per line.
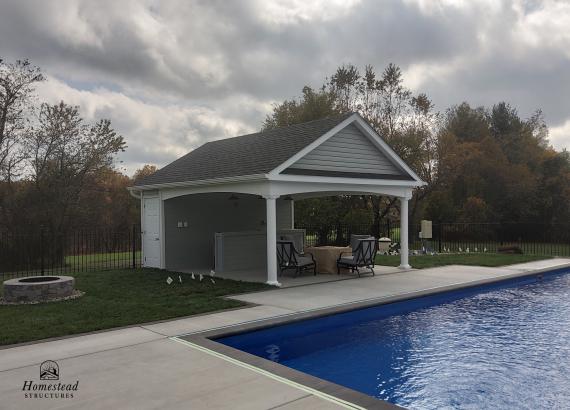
[531, 238]
[46, 253]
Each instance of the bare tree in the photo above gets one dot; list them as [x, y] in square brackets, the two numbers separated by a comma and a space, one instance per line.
[65, 152]
[17, 83]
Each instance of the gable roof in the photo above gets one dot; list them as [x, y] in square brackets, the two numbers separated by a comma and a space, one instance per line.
[277, 152]
[251, 154]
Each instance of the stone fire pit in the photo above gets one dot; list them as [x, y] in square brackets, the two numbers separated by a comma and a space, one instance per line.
[38, 289]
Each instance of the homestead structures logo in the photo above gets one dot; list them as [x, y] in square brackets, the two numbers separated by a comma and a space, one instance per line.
[49, 370]
[47, 388]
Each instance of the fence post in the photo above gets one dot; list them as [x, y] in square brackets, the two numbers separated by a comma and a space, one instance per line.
[134, 245]
[439, 232]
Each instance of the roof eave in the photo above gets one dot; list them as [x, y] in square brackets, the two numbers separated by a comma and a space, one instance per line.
[201, 182]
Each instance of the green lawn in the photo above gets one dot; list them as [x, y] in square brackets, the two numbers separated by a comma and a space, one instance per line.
[479, 259]
[119, 298]
[102, 257]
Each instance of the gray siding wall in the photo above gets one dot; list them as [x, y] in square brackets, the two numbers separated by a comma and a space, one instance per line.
[206, 214]
[348, 151]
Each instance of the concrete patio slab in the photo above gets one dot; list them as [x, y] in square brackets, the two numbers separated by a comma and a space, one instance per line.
[154, 375]
[36, 353]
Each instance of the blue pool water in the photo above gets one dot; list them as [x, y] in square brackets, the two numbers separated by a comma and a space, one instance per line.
[501, 346]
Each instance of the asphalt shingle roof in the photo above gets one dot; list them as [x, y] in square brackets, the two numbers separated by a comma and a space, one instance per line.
[250, 154]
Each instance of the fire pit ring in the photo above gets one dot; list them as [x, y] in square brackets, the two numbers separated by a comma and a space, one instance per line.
[38, 288]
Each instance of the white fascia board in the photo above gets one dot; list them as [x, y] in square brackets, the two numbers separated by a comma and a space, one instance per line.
[308, 189]
[313, 145]
[261, 188]
[367, 129]
[213, 181]
[352, 181]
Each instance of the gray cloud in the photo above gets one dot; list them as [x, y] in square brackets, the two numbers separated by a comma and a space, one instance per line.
[174, 74]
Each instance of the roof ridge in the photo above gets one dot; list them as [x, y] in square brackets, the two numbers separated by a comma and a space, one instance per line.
[345, 115]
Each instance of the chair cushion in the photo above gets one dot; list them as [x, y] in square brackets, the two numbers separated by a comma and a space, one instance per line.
[347, 260]
[304, 260]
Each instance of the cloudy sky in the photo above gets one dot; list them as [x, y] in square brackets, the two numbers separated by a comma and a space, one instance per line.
[174, 74]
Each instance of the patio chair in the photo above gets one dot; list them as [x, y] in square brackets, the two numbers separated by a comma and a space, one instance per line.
[289, 258]
[363, 256]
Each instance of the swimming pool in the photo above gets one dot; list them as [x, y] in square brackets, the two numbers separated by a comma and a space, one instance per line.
[503, 345]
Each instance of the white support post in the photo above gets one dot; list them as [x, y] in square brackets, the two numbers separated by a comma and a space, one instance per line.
[271, 224]
[404, 264]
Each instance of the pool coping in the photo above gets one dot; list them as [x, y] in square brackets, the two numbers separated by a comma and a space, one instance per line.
[203, 339]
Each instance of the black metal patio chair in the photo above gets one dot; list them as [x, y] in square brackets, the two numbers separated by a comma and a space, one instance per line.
[289, 258]
[363, 256]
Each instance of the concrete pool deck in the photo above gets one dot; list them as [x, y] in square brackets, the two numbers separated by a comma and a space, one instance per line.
[144, 367]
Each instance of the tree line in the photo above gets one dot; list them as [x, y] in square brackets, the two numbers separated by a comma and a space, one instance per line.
[480, 164]
[57, 169]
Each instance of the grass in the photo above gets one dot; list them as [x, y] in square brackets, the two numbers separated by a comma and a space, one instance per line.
[119, 298]
[478, 259]
[98, 258]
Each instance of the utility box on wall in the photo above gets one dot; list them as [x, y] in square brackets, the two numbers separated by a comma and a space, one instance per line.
[426, 229]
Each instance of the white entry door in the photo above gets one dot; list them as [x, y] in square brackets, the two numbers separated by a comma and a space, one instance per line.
[151, 234]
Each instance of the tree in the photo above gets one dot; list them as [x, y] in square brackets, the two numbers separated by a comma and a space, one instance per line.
[495, 166]
[313, 105]
[144, 172]
[17, 81]
[66, 153]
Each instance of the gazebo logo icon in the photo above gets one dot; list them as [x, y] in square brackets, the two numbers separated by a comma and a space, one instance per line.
[49, 370]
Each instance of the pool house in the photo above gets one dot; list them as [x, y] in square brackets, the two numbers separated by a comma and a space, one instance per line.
[223, 205]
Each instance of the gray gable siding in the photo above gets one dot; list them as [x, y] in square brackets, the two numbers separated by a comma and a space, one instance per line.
[348, 151]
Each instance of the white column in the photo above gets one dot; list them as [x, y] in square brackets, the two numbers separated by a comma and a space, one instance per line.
[404, 264]
[271, 224]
